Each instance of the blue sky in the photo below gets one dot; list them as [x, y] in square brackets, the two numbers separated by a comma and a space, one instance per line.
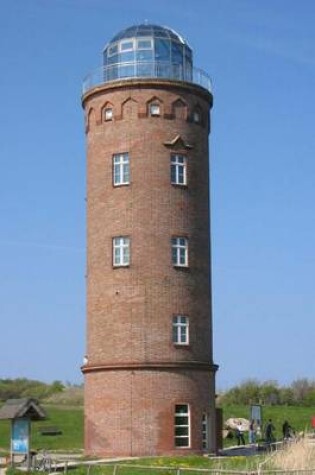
[261, 57]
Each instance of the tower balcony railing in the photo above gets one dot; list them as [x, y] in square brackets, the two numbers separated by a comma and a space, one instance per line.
[120, 71]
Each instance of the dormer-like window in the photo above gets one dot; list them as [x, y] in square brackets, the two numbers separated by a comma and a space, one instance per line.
[196, 117]
[155, 109]
[108, 114]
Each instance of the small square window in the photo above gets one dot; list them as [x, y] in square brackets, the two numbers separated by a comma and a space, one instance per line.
[196, 117]
[155, 109]
[108, 114]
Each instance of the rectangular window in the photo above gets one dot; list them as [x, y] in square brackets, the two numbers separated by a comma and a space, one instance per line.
[126, 46]
[205, 431]
[113, 49]
[154, 109]
[178, 170]
[108, 114]
[180, 330]
[121, 169]
[196, 117]
[182, 425]
[144, 44]
[180, 251]
[121, 251]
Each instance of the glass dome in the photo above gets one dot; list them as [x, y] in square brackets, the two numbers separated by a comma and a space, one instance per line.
[148, 51]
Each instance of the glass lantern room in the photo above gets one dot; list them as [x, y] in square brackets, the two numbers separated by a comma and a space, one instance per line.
[148, 51]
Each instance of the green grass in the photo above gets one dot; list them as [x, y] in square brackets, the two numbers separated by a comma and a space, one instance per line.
[70, 421]
[166, 466]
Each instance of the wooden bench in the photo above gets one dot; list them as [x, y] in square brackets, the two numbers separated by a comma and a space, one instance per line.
[50, 430]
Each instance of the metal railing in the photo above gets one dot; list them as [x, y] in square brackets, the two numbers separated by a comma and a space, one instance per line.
[146, 70]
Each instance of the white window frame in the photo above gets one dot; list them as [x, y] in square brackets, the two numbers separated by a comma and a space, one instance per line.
[155, 109]
[205, 431]
[141, 48]
[121, 169]
[124, 42]
[108, 114]
[182, 427]
[180, 330]
[179, 251]
[121, 251]
[178, 169]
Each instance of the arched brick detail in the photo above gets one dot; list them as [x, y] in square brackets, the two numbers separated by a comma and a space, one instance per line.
[196, 115]
[180, 109]
[107, 105]
[129, 109]
[152, 101]
[90, 119]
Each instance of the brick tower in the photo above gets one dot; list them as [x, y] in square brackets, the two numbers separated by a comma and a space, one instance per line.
[149, 372]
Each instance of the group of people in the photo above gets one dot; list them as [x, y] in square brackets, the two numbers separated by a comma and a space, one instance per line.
[254, 432]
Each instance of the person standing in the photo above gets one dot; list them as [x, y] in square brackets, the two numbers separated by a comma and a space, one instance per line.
[240, 434]
[286, 430]
[252, 432]
[269, 432]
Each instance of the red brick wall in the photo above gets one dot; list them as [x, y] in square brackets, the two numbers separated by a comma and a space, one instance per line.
[132, 412]
[130, 309]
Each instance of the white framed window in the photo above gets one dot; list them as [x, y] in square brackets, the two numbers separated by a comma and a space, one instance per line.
[155, 109]
[178, 169]
[121, 251]
[145, 43]
[121, 169]
[182, 425]
[180, 330]
[108, 113]
[126, 45]
[113, 49]
[179, 251]
[205, 431]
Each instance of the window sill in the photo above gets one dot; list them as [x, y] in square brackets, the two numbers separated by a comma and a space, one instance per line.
[179, 267]
[179, 185]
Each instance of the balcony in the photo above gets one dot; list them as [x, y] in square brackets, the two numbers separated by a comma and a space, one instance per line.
[146, 70]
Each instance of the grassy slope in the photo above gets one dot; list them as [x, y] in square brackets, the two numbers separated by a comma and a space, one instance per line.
[68, 419]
